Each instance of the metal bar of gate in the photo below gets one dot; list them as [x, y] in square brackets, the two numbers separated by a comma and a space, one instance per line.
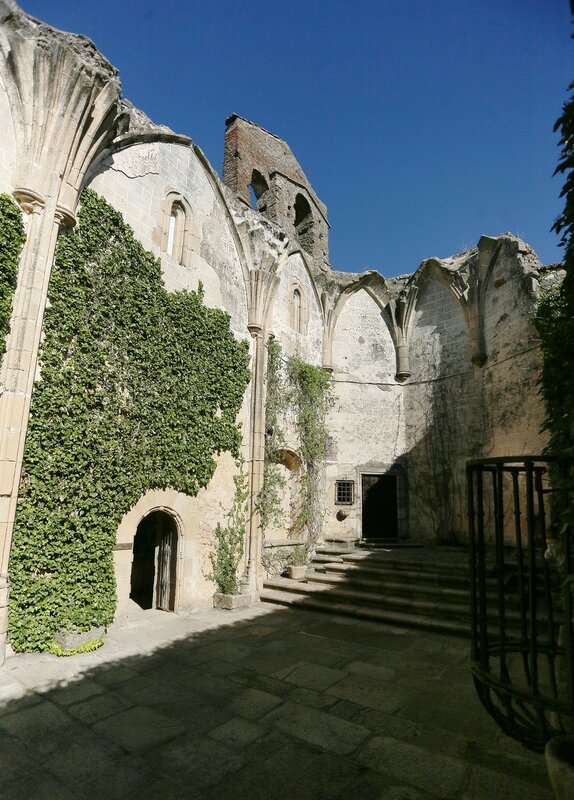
[472, 559]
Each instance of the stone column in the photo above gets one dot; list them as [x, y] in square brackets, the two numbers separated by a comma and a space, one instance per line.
[19, 366]
[252, 578]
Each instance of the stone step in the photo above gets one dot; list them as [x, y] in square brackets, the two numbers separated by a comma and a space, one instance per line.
[439, 593]
[336, 549]
[372, 570]
[434, 608]
[318, 602]
[326, 558]
[357, 578]
[391, 544]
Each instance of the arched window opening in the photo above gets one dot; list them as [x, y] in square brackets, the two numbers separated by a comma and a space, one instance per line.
[175, 231]
[257, 188]
[304, 222]
[296, 315]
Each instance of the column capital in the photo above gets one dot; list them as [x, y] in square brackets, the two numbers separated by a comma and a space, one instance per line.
[29, 201]
[64, 218]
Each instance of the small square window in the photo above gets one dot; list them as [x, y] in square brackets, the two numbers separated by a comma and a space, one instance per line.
[344, 493]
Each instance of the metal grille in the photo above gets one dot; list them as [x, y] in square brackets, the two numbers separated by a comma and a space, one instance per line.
[522, 633]
[344, 492]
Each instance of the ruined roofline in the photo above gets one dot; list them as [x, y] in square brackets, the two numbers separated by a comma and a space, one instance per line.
[455, 264]
[32, 28]
[233, 117]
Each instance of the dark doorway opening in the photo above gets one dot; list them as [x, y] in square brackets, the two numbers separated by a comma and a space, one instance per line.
[154, 566]
[380, 507]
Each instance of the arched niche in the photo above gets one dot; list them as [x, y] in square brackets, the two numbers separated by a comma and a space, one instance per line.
[438, 336]
[306, 337]
[363, 348]
[258, 187]
[291, 472]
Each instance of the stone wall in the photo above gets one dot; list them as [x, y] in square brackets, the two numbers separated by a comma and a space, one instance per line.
[367, 420]
[7, 146]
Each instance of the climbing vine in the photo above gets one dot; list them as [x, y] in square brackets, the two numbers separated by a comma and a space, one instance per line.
[139, 389]
[12, 238]
[269, 499]
[300, 394]
[229, 538]
[311, 399]
[555, 323]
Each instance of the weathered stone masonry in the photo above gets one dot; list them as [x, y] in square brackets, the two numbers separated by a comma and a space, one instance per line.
[428, 369]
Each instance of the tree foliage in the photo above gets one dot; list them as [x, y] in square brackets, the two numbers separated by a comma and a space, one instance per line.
[139, 389]
[229, 539]
[555, 322]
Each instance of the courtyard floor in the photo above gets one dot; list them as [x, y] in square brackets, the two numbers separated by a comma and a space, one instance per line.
[258, 704]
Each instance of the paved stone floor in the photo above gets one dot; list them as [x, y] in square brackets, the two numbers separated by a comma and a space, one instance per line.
[260, 704]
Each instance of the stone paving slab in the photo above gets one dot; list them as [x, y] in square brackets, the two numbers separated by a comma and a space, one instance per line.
[261, 703]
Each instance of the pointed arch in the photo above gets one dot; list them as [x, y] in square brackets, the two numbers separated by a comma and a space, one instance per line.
[375, 286]
[432, 269]
[176, 222]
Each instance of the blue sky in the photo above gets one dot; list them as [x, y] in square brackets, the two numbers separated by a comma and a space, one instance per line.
[421, 124]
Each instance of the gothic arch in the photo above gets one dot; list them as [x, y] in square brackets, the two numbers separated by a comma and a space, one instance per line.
[432, 269]
[374, 285]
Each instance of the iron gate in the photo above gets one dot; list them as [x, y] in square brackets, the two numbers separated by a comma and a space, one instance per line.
[522, 633]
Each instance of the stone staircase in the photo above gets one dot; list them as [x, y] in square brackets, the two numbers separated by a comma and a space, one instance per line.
[410, 586]
[405, 585]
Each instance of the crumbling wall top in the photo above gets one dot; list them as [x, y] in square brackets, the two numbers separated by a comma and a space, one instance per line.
[249, 146]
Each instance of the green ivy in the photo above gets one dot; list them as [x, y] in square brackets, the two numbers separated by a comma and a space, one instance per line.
[311, 398]
[269, 499]
[88, 647]
[139, 389]
[12, 238]
[303, 392]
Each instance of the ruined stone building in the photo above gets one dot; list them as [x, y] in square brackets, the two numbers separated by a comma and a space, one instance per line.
[428, 369]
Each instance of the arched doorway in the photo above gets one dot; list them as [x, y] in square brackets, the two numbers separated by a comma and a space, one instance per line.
[154, 566]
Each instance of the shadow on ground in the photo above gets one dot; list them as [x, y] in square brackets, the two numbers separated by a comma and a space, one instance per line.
[259, 704]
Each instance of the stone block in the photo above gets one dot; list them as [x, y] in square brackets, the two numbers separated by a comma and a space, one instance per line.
[67, 641]
[409, 764]
[317, 728]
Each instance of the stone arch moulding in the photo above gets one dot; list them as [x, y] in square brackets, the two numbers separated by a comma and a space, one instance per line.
[154, 500]
[176, 222]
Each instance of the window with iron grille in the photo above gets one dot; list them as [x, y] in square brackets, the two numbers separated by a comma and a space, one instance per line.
[344, 492]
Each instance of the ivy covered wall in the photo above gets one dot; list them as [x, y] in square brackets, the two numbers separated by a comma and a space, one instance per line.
[139, 389]
[12, 238]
